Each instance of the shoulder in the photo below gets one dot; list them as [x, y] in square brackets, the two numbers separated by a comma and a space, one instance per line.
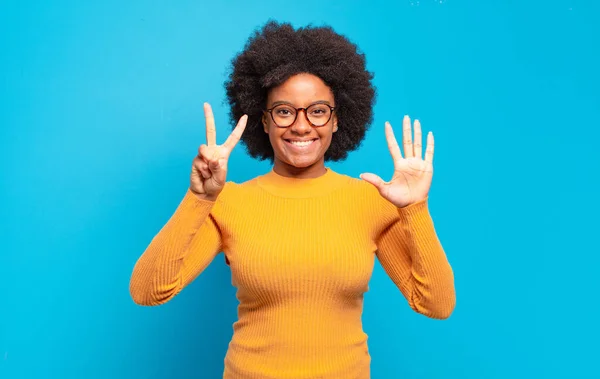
[233, 188]
[366, 195]
[364, 200]
[236, 192]
[233, 200]
[361, 189]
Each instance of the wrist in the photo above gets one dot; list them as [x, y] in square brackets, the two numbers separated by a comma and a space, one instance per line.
[413, 202]
[204, 196]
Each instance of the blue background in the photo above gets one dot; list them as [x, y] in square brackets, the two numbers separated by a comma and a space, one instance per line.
[101, 115]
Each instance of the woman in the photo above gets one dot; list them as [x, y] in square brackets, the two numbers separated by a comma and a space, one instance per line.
[301, 240]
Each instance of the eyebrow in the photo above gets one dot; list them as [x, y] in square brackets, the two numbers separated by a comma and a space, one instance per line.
[280, 102]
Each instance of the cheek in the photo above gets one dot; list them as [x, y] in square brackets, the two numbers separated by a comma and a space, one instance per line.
[326, 136]
[275, 135]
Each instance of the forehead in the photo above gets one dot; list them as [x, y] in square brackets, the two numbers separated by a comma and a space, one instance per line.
[301, 89]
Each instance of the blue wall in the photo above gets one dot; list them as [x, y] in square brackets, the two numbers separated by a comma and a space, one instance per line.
[101, 115]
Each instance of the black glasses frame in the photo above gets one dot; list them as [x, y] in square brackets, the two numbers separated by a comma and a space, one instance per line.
[331, 109]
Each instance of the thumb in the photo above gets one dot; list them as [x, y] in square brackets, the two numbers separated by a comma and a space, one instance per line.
[214, 165]
[374, 180]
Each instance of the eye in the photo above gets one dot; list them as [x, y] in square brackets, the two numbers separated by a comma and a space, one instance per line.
[283, 111]
[319, 110]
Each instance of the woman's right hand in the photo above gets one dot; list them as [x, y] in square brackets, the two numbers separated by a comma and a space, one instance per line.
[209, 168]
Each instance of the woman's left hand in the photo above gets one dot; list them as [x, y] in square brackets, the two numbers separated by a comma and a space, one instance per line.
[412, 174]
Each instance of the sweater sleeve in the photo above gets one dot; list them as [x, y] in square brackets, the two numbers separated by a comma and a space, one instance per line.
[411, 254]
[181, 250]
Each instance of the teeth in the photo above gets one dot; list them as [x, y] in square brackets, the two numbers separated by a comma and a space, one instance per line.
[302, 143]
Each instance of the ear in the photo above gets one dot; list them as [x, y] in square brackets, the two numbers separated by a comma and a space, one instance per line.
[335, 123]
[264, 122]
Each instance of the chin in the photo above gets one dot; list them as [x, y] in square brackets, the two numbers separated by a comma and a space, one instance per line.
[301, 162]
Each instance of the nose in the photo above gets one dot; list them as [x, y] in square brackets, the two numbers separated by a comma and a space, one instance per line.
[301, 125]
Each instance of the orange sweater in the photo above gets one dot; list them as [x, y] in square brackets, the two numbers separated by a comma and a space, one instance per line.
[301, 253]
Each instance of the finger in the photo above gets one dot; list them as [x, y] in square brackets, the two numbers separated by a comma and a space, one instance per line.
[204, 170]
[418, 142]
[392, 143]
[210, 156]
[407, 138]
[216, 163]
[235, 136]
[200, 166]
[213, 162]
[430, 148]
[211, 132]
[374, 180]
[204, 153]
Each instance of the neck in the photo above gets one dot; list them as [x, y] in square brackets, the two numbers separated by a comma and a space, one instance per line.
[296, 187]
[313, 171]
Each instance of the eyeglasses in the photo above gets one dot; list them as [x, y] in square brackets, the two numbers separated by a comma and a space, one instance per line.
[285, 115]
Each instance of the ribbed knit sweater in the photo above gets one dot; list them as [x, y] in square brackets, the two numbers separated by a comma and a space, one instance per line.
[301, 253]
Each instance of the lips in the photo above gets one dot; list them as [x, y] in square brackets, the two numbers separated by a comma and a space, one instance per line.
[302, 142]
[301, 145]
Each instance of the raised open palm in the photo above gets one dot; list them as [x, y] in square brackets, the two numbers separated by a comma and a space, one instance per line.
[413, 175]
[209, 168]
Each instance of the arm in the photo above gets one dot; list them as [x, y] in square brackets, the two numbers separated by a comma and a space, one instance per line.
[411, 254]
[408, 247]
[191, 238]
[182, 249]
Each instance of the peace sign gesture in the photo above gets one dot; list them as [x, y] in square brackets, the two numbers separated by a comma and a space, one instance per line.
[412, 174]
[209, 168]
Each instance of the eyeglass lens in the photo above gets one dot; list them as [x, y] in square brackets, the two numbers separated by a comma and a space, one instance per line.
[317, 114]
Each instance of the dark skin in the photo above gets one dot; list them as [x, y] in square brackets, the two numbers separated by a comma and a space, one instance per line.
[300, 91]
[410, 181]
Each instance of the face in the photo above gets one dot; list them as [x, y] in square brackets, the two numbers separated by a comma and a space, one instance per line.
[300, 148]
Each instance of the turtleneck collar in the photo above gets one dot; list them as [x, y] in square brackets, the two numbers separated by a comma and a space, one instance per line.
[290, 187]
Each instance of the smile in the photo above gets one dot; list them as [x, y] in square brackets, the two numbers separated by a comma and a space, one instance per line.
[300, 145]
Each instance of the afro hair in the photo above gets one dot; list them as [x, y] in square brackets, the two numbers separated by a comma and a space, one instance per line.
[276, 52]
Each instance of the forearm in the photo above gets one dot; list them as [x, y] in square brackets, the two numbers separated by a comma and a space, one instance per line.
[431, 284]
[416, 261]
[161, 272]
